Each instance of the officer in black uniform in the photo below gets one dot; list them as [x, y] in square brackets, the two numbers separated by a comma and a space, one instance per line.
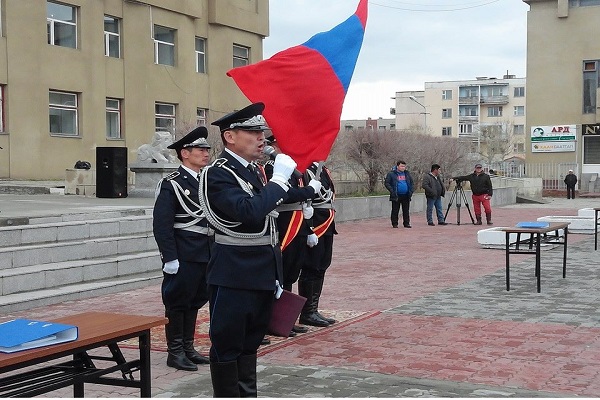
[182, 235]
[318, 259]
[293, 223]
[245, 260]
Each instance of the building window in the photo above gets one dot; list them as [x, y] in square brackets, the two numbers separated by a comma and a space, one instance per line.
[61, 24]
[519, 91]
[591, 149]
[519, 111]
[382, 128]
[518, 129]
[496, 91]
[201, 116]
[164, 45]
[241, 56]
[446, 94]
[447, 131]
[466, 129]
[113, 118]
[112, 39]
[583, 3]
[348, 128]
[468, 111]
[392, 126]
[446, 113]
[201, 55]
[518, 147]
[495, 111]
[63, 113]
[1, 108]
[164, 117]
[590, 86]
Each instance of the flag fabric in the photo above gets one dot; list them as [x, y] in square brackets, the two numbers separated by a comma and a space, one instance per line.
[304, 87]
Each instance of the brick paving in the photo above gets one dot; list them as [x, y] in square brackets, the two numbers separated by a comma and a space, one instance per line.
[434, 319]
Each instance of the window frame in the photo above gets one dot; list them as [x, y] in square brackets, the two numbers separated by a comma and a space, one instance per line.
[200, 54]
[518, 129]
[446, 113]
[447, 94]
[519, 111]
[590, 83]
[519, 91]
[497, 114]
[64, 107]
[158, 43]
[201, 116]
[446, 131]
[162, 116]
[108, 35]
[241, 61]
[466, 129]
[113, 111]
[52, 22]
[2, 109]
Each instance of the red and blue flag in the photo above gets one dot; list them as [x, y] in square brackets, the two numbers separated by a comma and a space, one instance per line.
[304, 87]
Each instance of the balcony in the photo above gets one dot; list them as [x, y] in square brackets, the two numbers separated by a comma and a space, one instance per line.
[468, 100]
[494, 100]
[467, 118]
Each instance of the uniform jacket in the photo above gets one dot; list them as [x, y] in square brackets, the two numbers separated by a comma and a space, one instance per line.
[253, 267]
[571, 180]
[322, 215]
[391, 184]
[433, 186]
[480, 184]
[178, 244]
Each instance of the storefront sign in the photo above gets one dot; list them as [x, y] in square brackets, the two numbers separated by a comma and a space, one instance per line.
[590, 129]
[554, 133]
[552, 147]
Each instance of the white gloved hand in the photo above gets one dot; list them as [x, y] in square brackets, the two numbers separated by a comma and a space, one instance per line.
[283, 167]
[307, 211]
[171, 267]
[315, 184]
[312, 240]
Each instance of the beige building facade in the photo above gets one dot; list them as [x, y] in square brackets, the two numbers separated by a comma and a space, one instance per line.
[477, 111]
[81, 74]
[563, 79]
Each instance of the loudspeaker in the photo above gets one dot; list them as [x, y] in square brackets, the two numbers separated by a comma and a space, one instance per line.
[111, 172]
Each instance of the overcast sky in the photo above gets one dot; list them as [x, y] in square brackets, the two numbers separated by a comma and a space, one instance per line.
[410, 42]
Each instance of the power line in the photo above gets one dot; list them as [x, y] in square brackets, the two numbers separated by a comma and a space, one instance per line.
[438, 10]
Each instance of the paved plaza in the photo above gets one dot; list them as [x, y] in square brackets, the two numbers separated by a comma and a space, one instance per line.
[429, 316]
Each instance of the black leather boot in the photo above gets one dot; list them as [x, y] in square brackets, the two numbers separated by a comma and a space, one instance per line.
[478, 218]
[189, 330]
[319, 289]
[174, 331]
[246, 365]
[309, 316]
[488, 217]
[224, 377]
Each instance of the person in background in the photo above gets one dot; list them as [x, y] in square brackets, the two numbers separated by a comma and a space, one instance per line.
[482, 191]
[571, 181]
[434, 191]
[400, 185]
[181, 232]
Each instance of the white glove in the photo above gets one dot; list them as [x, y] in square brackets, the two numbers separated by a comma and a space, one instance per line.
[171, 267]
[312, 240]
[307, 211]
[315, 184]
[283, 167]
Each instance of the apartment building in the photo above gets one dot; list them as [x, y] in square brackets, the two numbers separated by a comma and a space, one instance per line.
[379, 124]
[79, 74]
[563, 77]
[481, 112]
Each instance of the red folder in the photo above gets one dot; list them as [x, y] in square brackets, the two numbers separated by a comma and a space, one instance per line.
[286, 310]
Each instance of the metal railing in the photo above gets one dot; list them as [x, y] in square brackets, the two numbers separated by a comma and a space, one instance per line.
[552, 174]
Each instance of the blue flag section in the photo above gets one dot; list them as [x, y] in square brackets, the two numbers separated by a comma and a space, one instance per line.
[304, 88]
[24, 334]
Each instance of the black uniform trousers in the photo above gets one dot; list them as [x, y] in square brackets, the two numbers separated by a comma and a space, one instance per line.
[318, 259]
[239, 319]
[187, 289]
[293, 260]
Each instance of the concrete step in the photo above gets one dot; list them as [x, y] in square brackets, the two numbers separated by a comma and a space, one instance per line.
[46, 276]
[72, 250]
[23, 301]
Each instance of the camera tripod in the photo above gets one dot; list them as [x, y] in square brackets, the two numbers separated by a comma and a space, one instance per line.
[459, 196]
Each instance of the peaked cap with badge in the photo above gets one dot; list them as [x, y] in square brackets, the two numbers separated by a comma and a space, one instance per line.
[248, 119]
[196, 138]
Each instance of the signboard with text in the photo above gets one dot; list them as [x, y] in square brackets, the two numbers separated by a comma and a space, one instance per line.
[553, 139]
[552, 147]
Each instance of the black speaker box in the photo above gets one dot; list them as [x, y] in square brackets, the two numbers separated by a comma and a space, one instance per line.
[111, 172]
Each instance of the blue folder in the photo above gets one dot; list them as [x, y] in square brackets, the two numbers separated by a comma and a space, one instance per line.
[533, 224]
[24, 334]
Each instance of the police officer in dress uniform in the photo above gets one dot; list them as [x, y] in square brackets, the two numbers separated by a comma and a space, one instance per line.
[318, 259]
[245, 260]
[181, 232]
[294, 228]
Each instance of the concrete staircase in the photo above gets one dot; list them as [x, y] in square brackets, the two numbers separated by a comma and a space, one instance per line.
[48, 260]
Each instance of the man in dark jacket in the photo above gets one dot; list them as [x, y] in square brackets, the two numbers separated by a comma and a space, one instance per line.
[481, 187]
[400, 185]
[434, 191]
[181, 232]
[571, 181]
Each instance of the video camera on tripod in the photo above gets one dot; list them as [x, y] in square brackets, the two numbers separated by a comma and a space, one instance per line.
[460, 197]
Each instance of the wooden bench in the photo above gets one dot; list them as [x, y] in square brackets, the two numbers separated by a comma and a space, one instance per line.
[96, 329]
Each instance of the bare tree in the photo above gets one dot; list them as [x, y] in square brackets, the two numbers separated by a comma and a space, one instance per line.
[495, 141]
